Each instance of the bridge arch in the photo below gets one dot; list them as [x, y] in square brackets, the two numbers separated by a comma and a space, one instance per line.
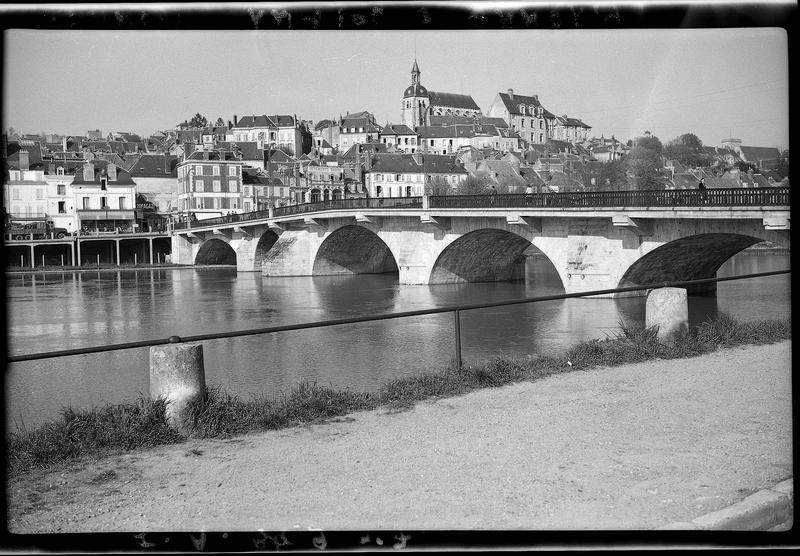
[688, 258]
[215, 252]
[485, 255]
[354, 249]
[265, 243]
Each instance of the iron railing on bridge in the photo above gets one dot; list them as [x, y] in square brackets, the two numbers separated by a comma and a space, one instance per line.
[739, 197]
[455, 309]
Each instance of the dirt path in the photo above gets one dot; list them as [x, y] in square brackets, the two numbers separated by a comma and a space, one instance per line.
[632, 447]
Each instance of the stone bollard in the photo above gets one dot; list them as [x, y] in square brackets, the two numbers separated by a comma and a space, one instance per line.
[667, 308]
[177, 374]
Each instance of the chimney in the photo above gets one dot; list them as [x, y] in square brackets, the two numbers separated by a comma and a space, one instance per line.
[88, 172]
[64, 144]
[235, 119]
[369, 162]
[24, 160]
[511, 94]
[112, 171]
[536, 98]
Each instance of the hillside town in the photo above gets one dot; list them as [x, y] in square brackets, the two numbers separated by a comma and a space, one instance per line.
[441, 143]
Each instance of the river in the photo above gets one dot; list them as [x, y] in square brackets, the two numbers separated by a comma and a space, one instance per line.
[54, 311]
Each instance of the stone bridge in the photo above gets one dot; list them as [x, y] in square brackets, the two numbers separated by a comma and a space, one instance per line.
[670, 235]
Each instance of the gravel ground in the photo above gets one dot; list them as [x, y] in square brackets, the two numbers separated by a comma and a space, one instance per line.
[631, 447]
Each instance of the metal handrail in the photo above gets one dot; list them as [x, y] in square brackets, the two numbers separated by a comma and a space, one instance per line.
[673, 198]
[456, 309]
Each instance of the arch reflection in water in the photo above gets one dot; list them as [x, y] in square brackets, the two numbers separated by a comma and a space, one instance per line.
[62, 313]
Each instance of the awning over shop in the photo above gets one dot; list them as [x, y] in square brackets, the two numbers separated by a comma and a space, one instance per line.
[106, 215]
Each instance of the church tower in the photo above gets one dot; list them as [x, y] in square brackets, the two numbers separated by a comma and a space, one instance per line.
[415, 101]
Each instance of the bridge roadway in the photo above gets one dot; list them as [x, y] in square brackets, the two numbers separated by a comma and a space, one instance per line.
[594, 240]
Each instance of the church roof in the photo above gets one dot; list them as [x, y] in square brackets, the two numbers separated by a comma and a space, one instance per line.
[415, 90]
[452, 100]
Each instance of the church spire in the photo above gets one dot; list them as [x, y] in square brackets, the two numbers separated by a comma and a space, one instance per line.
[415, 72]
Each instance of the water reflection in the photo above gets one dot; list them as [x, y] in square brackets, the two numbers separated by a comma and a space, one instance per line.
[61, 311]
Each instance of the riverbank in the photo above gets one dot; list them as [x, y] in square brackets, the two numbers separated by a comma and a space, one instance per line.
[141, 424]
[633, 447]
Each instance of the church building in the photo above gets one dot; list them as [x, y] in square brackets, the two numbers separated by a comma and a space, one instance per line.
[419, 104]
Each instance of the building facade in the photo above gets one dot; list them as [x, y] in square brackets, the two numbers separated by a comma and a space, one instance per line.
[523, 114]
[210, 184]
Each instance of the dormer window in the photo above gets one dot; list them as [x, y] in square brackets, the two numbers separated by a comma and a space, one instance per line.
[60, 171]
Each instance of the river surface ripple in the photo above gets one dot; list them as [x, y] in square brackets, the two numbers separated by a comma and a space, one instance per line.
[47, 312]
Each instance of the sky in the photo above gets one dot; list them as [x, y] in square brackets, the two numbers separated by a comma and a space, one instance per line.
[715, 83]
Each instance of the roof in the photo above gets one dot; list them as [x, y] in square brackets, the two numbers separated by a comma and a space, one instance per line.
[397, 129]
[152, 165]
[277, 156]
[364, 148]
[213, 156]
[752, 154]
[101, 169]
[406, 163]
[322, 124]
[263, 120]
[249, 149]
[572, 122]
[452, 100]
[512, 105]
[415, 90]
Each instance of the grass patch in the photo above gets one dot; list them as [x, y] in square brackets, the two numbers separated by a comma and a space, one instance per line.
[217, 414]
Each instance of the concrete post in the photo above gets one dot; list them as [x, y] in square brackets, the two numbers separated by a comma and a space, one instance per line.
[33, 255]
[150, 241]
[177, 374]
[668, 308]
[118, 253]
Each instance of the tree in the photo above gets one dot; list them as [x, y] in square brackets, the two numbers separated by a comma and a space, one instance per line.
[198, 120]
[473, 185]
[613, 176]
[437, 186]
[645, 162]
[688, 150]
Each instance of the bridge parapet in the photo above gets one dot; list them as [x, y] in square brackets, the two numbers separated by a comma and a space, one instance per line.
[714, 203]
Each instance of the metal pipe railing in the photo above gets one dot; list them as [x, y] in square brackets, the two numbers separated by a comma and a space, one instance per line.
[335, 322]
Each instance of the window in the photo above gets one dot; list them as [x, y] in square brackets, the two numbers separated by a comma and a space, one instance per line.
[431, 143]
[247, 206]
[15, 194]
[103, 203]
[198, 170]
[59, 171]
[217, 185]
[62, 207]
[198, 185]
[408, 191]
[246, 189]
[215, 170]
[62, 189]
[86, 203]
[103, 183]
[232, 187]
[397, 177]
[122, 203]
[232, 170]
